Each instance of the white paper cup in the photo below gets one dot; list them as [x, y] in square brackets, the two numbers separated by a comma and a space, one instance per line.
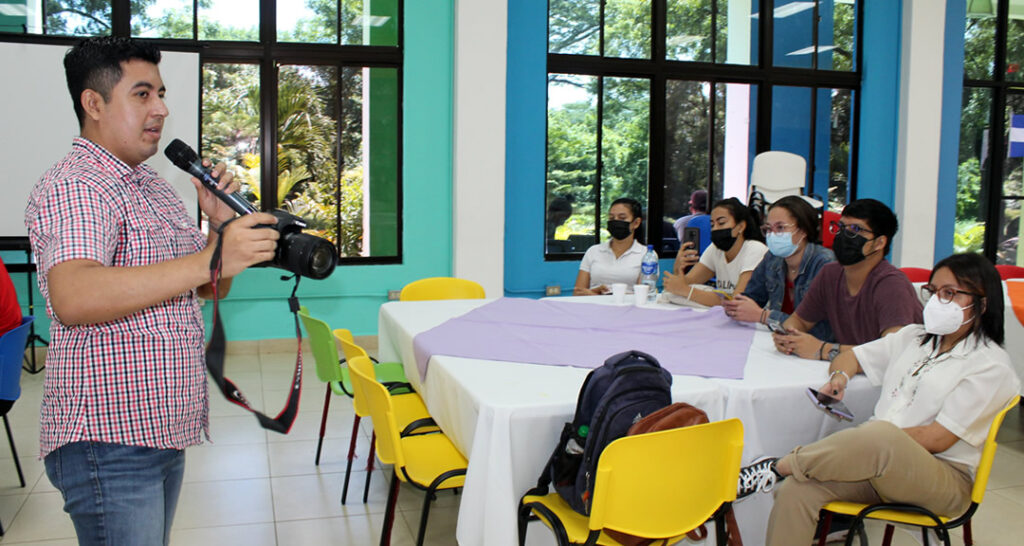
[640, 292]
[619, 293]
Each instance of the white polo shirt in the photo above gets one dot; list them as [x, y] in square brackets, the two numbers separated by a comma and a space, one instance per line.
[606, 269]
[962, 390]
[727, 273]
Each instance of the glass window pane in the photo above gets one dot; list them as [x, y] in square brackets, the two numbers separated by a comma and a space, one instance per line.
[791, 120]
[836, 35]
[1012, 187]
[231, 122]
[839, 150]
[793, 26]
[370, 160]
[21, 16]
[571, 163]
[735, 139]
[688, 36]
[164, 19]
[235, 20]
[736, 29]
[77, 17]
[972, 170]
[1008, 251]
[308, 22]
[627, 29]
[574, 27]
[625, 141]
[1015, 43]
[979, 45]
[369, 22]
[687, 146]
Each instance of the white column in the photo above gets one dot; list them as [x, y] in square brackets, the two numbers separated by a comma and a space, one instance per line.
[478, 187]
[920, 124]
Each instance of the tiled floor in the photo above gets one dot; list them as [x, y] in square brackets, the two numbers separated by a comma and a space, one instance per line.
[256, 488]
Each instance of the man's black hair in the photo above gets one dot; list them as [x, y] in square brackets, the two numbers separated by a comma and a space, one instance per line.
[879, 218]
[95, 63]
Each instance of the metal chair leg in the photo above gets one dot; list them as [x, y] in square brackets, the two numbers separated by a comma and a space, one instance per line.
[968, 536]
[826, 525]
[427, 499]
[887, 537]
[389, 512]
[323, 426]
[351, 455]
[14, 452]
[369, 467]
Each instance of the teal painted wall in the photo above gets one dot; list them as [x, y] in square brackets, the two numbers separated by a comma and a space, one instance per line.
[257, 308]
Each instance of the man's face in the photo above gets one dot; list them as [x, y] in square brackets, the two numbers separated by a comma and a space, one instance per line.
[130, 123]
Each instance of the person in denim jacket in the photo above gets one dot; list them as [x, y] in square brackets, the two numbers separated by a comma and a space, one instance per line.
[779, 282]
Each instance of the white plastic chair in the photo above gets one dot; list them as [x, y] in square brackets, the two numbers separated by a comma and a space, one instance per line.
[778, 174]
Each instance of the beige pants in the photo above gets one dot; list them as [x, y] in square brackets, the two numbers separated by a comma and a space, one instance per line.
[870, 463]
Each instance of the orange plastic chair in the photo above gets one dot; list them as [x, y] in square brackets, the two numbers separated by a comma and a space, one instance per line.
[1007, 272]
[441, 288]
[827, 237]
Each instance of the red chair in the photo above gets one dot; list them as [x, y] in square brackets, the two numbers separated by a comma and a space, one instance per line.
[1010, 272]
[827, 217]
[917, 274]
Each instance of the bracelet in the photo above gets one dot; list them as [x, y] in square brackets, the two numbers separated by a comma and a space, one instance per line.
[839, 372]
[763, 311]
[820, 349]
[690, 295]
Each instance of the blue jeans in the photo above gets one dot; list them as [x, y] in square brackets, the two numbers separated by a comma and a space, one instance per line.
[118, 494]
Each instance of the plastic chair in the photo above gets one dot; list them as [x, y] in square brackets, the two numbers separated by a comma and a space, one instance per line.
[911, 514]
[441, 288]
[12, 350]
[917, 274]
[330, 370]
[827, 237]
[1007, 272]
[427, 461]
[656, 486]
[776, 174]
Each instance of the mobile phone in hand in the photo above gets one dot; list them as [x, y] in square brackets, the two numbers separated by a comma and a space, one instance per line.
[722, 294]
[692, 235]
[830, 405]
[776, 327]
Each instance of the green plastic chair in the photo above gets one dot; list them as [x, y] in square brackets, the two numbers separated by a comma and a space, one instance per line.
[332, 370]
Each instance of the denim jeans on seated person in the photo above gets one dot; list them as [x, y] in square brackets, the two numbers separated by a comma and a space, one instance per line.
[118, 494]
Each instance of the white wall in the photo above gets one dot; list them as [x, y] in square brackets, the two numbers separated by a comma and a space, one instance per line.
[479, 148]
[920, 124]
[39, 122]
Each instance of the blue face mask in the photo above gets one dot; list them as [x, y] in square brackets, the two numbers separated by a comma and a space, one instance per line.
[781, 244]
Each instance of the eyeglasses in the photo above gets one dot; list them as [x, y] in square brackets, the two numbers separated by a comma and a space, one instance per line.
[775, 228]
[946, 293]
[850, 230]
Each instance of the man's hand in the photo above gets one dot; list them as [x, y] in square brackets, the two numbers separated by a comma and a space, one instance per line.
[245, 245]
[798, 343]
[686, 257]
[742, 308]
[217, 210]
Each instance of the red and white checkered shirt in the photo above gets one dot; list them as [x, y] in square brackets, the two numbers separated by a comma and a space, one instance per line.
[138, 380]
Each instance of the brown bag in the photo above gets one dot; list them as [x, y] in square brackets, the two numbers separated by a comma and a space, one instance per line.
[677, 415]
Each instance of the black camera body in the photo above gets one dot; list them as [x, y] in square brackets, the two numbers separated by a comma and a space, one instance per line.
[301, 253]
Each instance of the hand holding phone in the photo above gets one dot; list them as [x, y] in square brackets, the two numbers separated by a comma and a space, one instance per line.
[830, 405]
[776, 327]
[692, 235]
[722, 294]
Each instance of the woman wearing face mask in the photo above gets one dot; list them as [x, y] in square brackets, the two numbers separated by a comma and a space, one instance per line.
[779, 282]
[617, 260]
[942, 384]
[736, 248]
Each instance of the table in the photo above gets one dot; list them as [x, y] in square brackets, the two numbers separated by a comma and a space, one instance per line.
[506, 417]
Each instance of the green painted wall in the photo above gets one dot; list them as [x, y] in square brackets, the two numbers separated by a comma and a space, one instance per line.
[257, 308]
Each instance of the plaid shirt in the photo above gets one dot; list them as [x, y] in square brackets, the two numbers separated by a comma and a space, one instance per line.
[140, 379]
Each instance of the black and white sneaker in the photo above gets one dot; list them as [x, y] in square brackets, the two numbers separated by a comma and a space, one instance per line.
[758, 476]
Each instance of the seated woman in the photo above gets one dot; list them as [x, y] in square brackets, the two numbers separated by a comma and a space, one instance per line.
[736, 248]
[778, 284]
[942, 385]
[617, 260]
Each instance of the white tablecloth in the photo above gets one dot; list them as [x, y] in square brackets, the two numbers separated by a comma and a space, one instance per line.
[506, 417]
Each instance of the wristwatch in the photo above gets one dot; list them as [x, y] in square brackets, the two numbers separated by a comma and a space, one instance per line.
[833, 352]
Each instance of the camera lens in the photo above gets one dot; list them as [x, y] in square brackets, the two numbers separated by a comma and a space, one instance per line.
[307, 255]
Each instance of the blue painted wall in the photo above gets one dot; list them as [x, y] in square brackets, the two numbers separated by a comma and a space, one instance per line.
[879, 101]
[949, 143]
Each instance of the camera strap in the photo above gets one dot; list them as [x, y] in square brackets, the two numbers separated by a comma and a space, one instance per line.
[215, 355]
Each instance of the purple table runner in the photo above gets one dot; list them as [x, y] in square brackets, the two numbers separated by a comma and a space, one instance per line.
[686, 342]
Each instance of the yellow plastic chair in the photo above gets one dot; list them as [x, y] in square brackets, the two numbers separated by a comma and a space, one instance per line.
[911, 514]
[441, 288]
[659, 485]
[427, 461]
[410, 411]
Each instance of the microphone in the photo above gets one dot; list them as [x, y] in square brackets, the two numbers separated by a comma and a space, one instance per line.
[186, 159]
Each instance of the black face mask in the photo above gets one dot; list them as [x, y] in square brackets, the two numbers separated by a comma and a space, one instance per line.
[849, 250]
[723, 239]
[619, 229]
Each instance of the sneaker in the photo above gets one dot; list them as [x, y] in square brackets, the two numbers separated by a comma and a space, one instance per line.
[759, 476]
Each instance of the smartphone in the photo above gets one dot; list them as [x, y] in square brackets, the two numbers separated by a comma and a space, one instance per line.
[777, 327]
[722, 294]
[830, 405]
[692, 235]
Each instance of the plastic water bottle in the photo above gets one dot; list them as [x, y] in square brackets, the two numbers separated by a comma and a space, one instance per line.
[649, 273]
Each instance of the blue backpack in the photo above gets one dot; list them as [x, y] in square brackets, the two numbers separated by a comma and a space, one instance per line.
[627, 388]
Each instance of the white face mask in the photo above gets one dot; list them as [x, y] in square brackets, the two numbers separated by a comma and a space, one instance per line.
[943, 318]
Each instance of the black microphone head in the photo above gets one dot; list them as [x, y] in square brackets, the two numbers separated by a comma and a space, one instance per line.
[181, 154]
